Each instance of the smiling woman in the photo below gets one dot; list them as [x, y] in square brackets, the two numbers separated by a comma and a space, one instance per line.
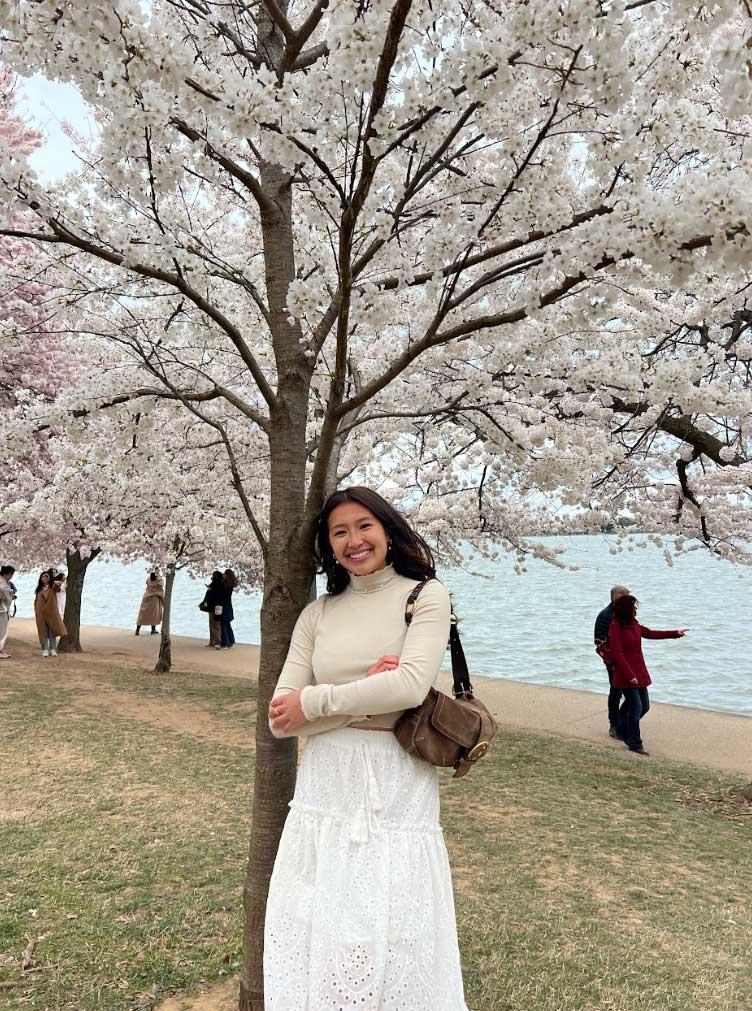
[358, 540]
[361, 909]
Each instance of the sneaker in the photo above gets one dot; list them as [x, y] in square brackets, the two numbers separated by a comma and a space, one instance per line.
[53, 652]
[45, 653]
[218, 647]
[640, 751]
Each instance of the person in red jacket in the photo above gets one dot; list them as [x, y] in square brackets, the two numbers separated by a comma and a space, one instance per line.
[625, 635]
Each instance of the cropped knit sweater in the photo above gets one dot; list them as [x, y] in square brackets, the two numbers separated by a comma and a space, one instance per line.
[338, 638]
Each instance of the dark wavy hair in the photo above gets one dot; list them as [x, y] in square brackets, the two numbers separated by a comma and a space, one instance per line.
[50, 577]
[625, 609]
[408, 553]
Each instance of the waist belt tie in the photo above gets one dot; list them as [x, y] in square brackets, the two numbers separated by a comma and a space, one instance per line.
[365, 823]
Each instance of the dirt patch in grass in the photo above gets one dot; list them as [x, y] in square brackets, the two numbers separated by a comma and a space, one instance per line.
[734, 803]
[90, 695]
[190, 720]
[219, 998]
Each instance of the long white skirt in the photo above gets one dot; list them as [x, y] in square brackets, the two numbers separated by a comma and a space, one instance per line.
[361, 910]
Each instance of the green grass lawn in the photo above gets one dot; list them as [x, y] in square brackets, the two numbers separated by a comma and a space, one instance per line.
[585, 878]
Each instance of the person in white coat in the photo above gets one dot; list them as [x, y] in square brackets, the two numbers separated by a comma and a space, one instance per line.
[61, 581]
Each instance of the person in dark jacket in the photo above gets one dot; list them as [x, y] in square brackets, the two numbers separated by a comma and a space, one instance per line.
[600, 638]
[228, 615]
[215, 599]
[625, 637]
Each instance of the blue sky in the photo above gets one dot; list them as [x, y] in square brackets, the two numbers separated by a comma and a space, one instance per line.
[49, 105]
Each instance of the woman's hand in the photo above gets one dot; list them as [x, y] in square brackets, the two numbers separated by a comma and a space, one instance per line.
[389, 662]
[286, 712]
[634, 681]
[681, 632]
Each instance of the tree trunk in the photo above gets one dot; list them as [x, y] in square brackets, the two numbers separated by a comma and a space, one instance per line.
[164, 662]
[289, 572]
[288, 561]
[76, 567]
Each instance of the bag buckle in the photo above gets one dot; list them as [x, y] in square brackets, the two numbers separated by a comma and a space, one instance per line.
[480, 749]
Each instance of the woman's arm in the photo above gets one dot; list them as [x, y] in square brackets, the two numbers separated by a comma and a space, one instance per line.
[407, 684]
[297, 673]
[651, 633]
[616, 649]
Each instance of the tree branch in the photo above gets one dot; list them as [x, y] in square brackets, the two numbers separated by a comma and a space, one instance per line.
[63, 235]
[236, 171]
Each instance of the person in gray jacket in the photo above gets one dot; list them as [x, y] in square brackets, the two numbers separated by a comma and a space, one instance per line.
[600, 637]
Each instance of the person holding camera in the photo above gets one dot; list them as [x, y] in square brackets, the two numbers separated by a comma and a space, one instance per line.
[218, 603]
[215, 632]
[7, 597]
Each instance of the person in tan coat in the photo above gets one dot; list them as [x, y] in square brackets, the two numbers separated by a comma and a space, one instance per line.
[152, 604]
[50, 625]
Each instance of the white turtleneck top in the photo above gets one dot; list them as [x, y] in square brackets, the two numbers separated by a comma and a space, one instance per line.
[338, 638]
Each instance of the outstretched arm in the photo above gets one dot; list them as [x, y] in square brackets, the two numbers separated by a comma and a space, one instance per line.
[651, 633]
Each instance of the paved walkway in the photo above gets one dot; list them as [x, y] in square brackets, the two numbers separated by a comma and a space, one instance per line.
[718, 740]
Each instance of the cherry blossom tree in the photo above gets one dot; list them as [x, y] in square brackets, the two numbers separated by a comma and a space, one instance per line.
[32, 362]
[126, 483]
[35, 364]
[441, 248]
[164, 510]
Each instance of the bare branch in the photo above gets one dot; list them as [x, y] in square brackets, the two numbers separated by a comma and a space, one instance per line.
[63, 235]
[541, 136]
[310, 56]
[390, 283]
[434, 337]
[236, 171]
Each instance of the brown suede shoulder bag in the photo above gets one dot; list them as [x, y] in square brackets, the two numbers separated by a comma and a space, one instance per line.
[444, 731]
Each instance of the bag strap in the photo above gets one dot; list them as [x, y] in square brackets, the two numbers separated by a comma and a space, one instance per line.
[462, 687]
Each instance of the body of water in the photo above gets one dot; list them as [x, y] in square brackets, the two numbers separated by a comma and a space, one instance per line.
[537, 627]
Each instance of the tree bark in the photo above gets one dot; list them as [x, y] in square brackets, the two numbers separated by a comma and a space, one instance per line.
[76, 567]
[288, 574]
[164, 661]
[289, 567]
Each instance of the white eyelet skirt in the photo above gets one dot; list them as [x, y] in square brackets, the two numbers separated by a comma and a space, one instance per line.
[361, 910]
